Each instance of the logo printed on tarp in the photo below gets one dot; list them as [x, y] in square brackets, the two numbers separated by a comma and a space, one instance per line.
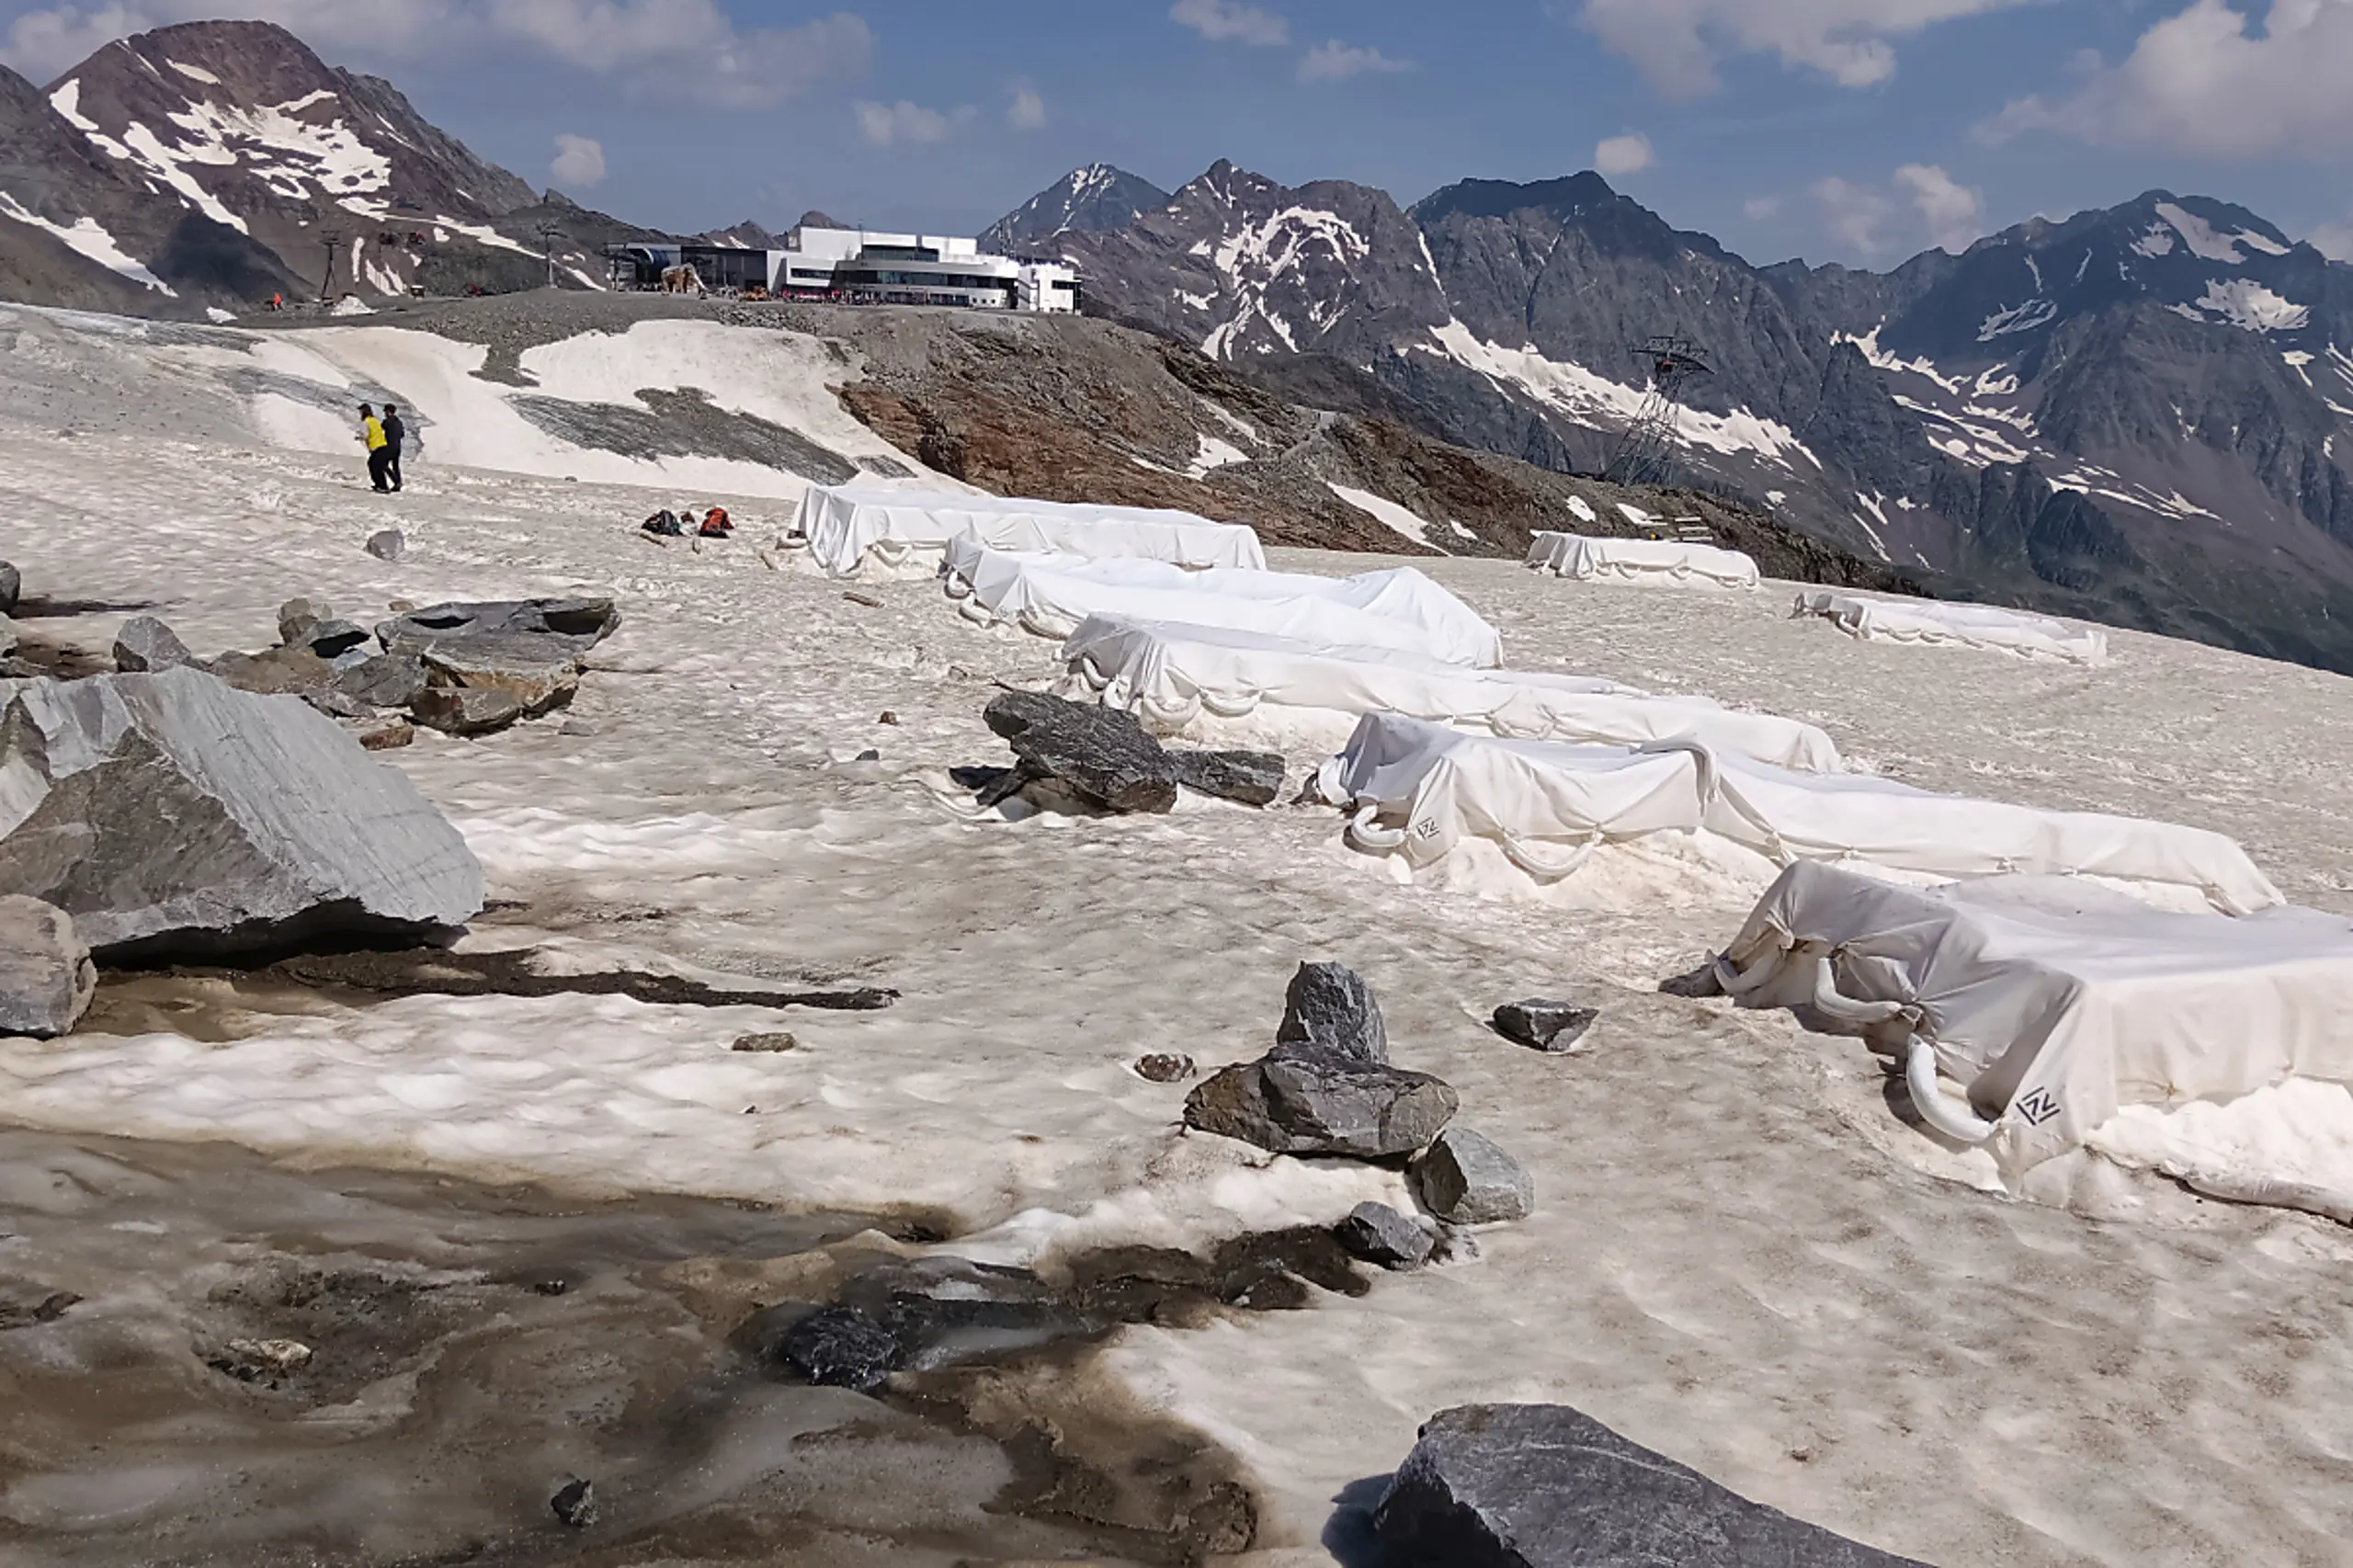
[2038, 1107]
[1427, 829]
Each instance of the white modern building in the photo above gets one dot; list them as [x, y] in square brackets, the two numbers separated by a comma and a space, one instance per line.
[858, 267]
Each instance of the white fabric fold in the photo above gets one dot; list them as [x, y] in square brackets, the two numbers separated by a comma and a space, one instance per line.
[2054, 1002]
[1930, 623]
[1590, 560]
[1399, 609]
[843, 523]
[1448, 783]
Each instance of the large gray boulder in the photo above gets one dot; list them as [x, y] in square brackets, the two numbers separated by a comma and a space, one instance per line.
[171, 813]
[1328, 1088]
[1306, 1102]
[1101, 753]
[46, 976]
[1546, 1486]
[540, 672]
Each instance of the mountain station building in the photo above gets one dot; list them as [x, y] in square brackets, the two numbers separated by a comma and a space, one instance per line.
[858, 266]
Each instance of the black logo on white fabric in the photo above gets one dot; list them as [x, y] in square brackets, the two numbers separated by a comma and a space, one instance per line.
[1427, 827]
[2038, 1107]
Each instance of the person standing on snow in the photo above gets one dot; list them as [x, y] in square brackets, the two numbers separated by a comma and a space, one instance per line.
[372, 433]
[395, 433]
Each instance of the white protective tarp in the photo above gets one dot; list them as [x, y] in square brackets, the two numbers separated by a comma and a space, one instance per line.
[1050, 595]
[1590, 560]
[843, 525]
[1441, 784]
[2053, 1004]
[1929, 621]
[1171, 675]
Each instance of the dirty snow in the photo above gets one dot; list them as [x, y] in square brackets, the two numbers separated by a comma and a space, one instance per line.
[1740, 1256]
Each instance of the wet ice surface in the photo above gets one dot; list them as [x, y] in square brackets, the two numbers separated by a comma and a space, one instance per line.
[1740, 1255]
[267, 1366]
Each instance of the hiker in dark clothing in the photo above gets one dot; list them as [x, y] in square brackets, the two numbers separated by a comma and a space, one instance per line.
[394, 434]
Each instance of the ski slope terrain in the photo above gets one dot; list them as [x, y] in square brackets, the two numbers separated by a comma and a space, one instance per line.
[1739, 1256]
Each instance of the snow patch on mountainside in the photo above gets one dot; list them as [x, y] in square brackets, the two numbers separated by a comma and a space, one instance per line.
[1594, 398]
[1882, 360]
[2242, 302]
[2017, 318]
[88, 236]
[1388, 512]
[2204, 240]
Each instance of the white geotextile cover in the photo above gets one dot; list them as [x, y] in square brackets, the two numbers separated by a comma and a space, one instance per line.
[1929, 622]
[1170, 675]
[843, 524]
[1050, 595]
[1589, 560]
[2056, 1002]
[1535, 798]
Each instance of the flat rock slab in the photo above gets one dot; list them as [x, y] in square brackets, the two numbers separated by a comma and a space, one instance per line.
[1104, 754]
[540, 672]
[580, 624]
[1253, 778]
[172, 813]
[1545, 1025]
[456, 711]
[1465, 1179]
[46, 976]
[1547, 1486]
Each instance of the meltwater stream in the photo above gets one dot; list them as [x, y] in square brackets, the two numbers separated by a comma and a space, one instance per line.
[210, 1358]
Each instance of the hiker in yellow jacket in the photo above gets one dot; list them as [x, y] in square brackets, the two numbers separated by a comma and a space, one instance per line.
[379, 449]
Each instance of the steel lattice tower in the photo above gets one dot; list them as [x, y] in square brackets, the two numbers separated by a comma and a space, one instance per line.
[1645, 453]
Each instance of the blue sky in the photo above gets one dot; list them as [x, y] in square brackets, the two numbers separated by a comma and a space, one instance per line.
[1856, 131]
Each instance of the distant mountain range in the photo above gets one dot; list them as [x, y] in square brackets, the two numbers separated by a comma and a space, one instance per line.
[2143, 414]
[212, 163]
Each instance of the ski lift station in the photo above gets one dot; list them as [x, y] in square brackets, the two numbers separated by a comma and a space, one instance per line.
[858, 267]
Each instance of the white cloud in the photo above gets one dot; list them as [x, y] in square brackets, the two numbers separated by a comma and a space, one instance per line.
[1621, 155]
[1336, 61]
[1954, 213]
[1756, 209]
[2334, 240]
[904, 124]
[1918, 204]
[1028, 111]
[579, 163]
[1219, 20]
[652, 47]
[2209, 81]
[1677, 43]
[1856, 215]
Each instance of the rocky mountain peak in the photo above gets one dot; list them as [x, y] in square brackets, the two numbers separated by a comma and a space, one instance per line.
[1092, 200]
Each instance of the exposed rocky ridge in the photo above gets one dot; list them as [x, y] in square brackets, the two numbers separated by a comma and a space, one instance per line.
[2134, 415]
[1070, 409]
